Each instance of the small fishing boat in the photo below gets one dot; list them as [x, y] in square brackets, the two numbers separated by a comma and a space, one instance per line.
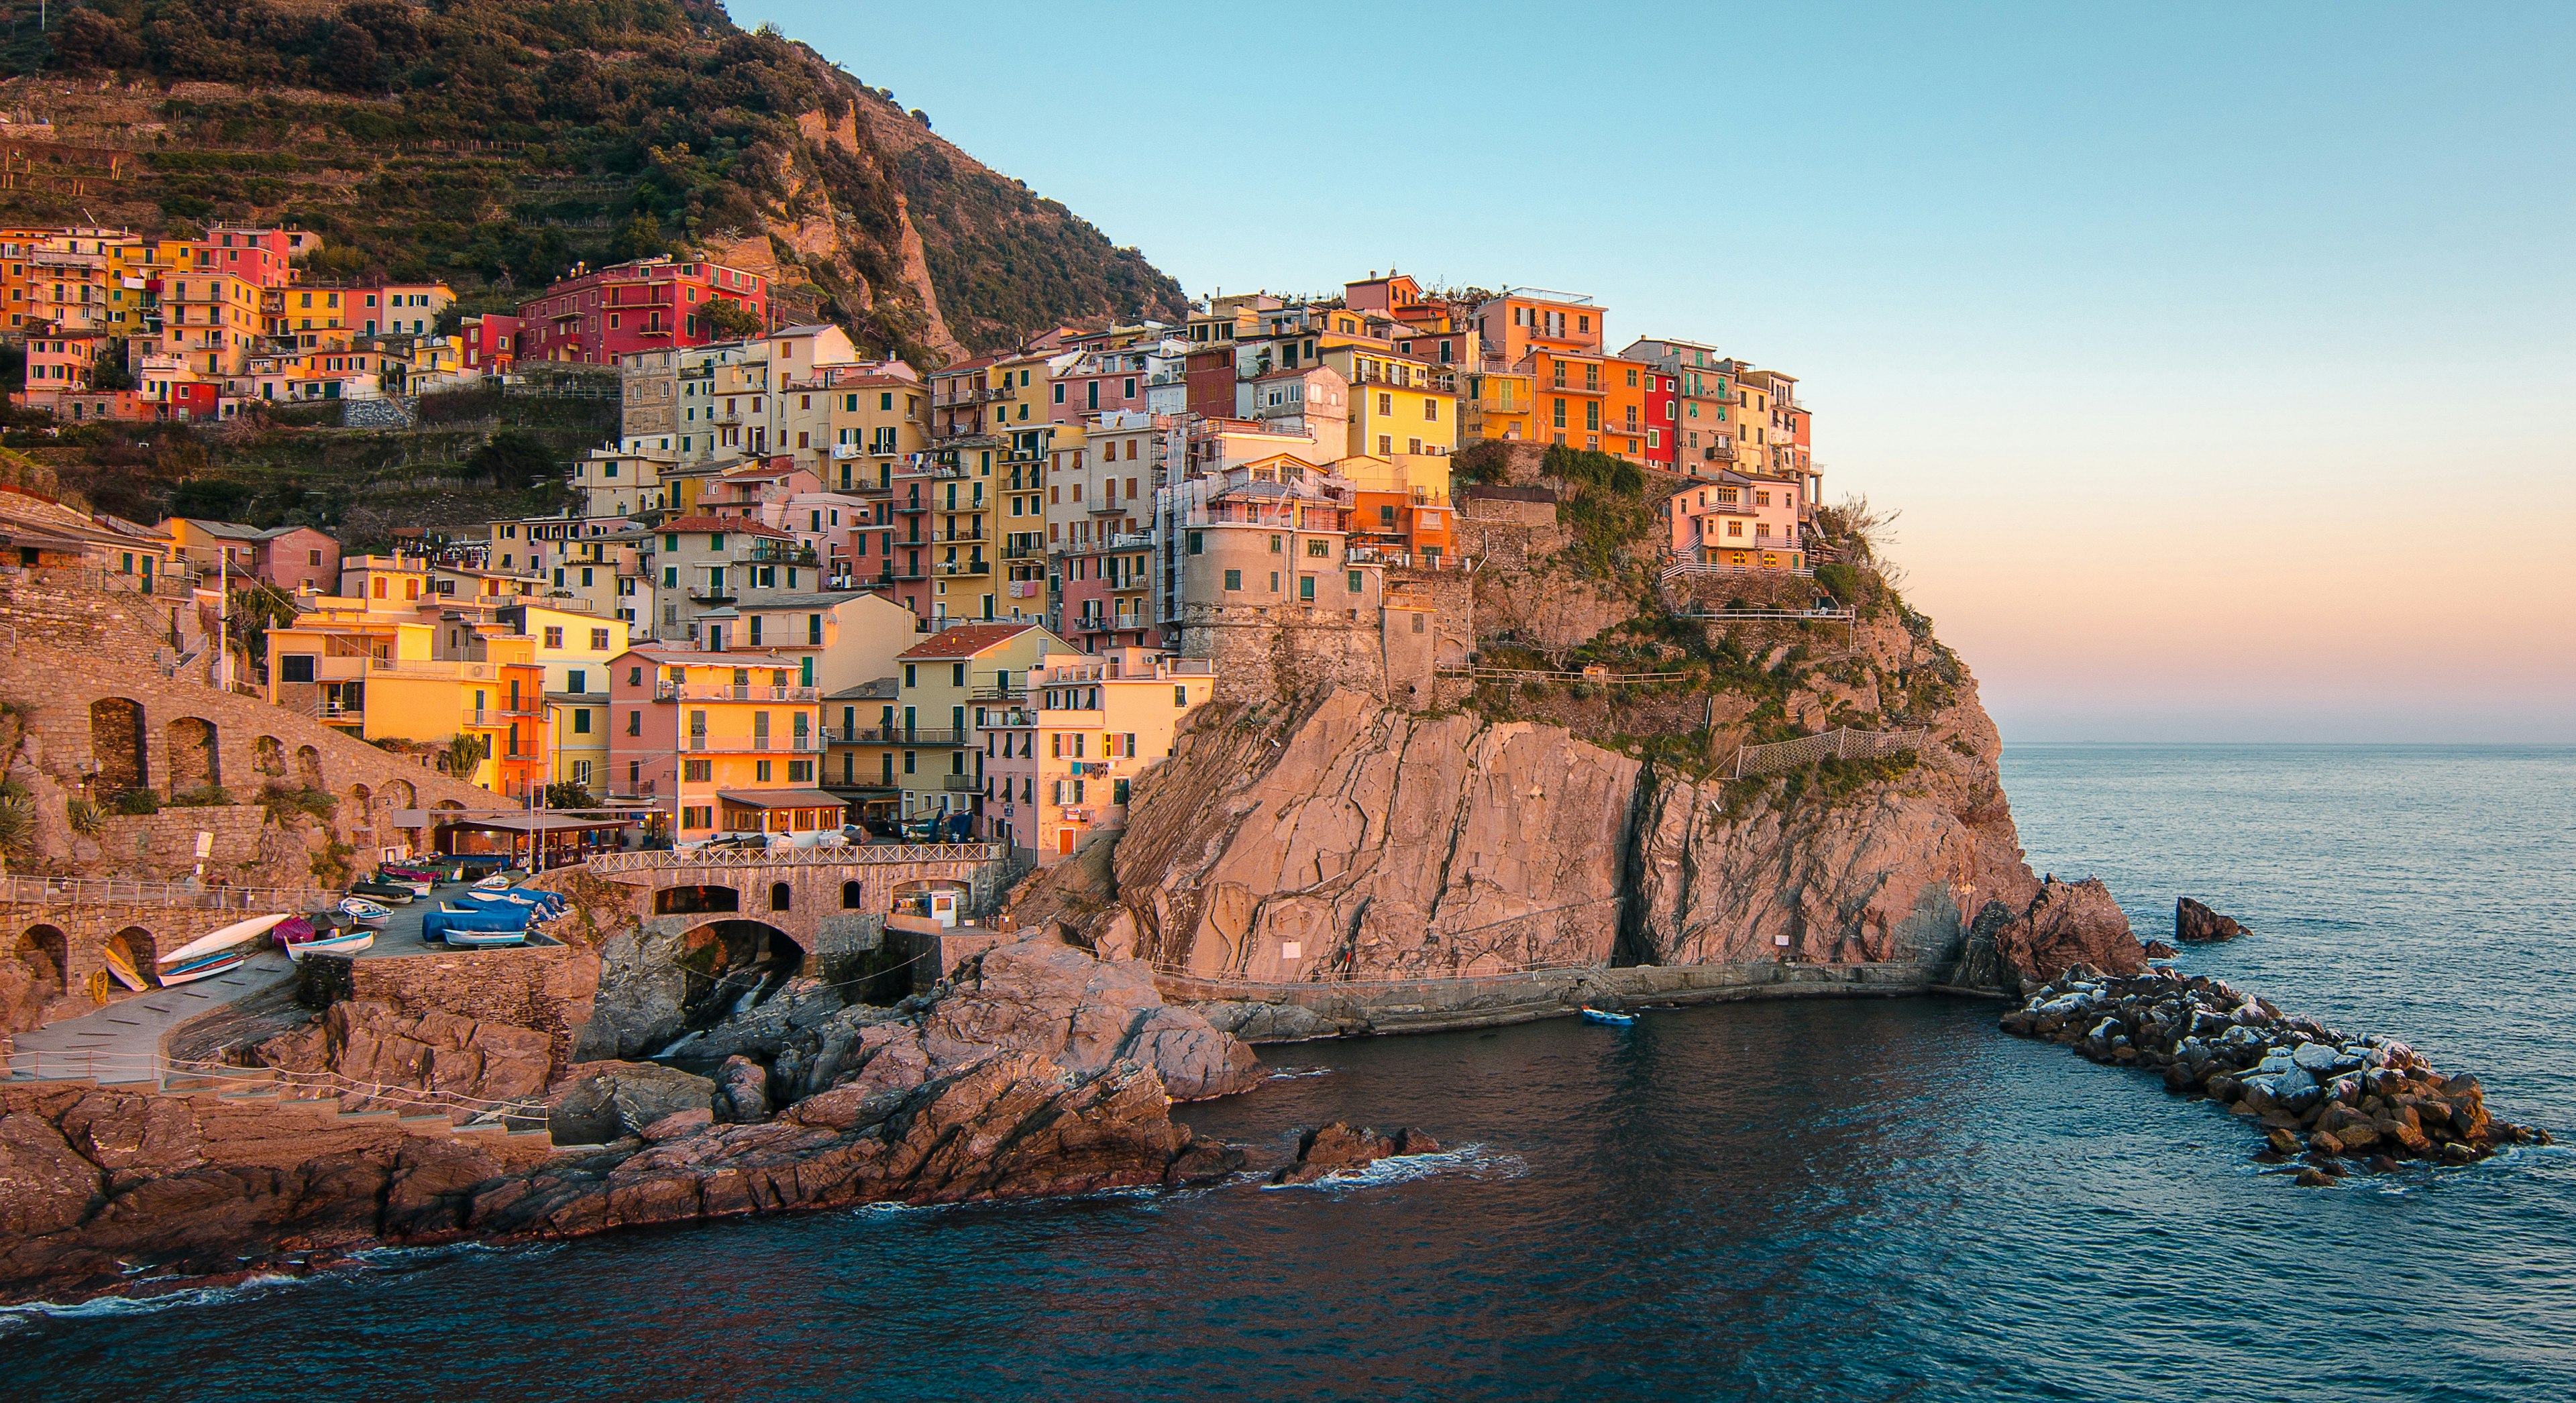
[121, 966]
[498, 881]
[417, 886]
[1603, 1015]
[329, 938]
[362, 912]
[215, 953]
[477, 939]
[390, 893]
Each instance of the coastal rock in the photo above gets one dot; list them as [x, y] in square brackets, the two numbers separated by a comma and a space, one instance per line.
[1338, 1149]
[1051, 999]
[2068, 924]
[374, 1057]
[598, 1102]
[1267, 1022]
[2158, 950]
[741, 1094]
[2195, 924]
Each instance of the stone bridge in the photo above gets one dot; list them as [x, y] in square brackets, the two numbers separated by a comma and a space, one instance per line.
[61, 929]
[830, 900]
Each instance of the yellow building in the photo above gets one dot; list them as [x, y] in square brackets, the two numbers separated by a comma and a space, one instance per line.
[1399, 404]
[212, 319]
[574, 650]
[1057, 766]
[306, 318]
[1501, 404]
[372, 672]
[850, 425]
[930, 749]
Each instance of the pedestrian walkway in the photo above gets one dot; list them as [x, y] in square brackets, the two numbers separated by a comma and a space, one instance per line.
[122, 1042]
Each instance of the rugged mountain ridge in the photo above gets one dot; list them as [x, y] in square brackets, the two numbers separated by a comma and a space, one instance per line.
[493, 144]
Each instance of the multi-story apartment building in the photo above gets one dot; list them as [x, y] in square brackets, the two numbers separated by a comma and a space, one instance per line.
[574, 649]
[852, 424]
[214, 321]
[1057, 765]
[1099, 529]
[1573, 396]
[491, 341]
[1740, 520]
[1520, 320]
[716, 742]
[1268, 536]
[1399, 404]
[372, 666]
[942, 683]
[597, 316]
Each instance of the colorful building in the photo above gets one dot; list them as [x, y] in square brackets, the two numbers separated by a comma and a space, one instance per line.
[943, 682]
[717, 742]
[1057, 766]
[598, 315]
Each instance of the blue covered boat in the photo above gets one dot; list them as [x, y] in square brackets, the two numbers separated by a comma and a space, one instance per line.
[1601, 1015]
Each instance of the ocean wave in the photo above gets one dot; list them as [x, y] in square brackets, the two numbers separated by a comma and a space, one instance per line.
[105, 1307]
[1294, 1073]
[1466, 1162]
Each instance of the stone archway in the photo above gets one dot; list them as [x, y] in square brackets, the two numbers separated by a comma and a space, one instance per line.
[398, 793]
[47, 956]
[136, 946]
[116, 744]
[194, 763]
[361, 806]
[308, 767]
[268, 756]
[733, 965]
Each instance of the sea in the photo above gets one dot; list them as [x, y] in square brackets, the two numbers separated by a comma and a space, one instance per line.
[1812, 1200]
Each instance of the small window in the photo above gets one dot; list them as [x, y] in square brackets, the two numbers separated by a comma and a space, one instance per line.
[1355, 582]
[1233, 581]
[780, 896]
[295, 667]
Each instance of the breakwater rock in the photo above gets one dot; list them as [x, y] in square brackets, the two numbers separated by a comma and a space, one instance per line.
[2312, 1090]
[1337, 1149]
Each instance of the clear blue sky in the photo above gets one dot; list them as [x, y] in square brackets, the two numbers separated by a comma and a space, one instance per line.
[2222, 358]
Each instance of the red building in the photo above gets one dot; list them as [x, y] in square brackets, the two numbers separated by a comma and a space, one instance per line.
[491, 341]
[598, 315]
[1662, 401]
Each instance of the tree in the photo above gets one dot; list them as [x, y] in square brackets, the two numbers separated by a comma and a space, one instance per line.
[88, 39]
[732, 318]
[465, 754]
[352, 58]
[570, 796]
[513, 459]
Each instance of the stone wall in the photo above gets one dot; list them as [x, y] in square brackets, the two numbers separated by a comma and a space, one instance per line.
[545, 987]
[164, 845]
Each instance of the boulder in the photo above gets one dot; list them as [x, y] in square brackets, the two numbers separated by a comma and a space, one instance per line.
[1338, 1149]
[598, 1102]
[741, 1094]
[377, 1058]
[2068, 924]
[2195, 924]
[2158, 950]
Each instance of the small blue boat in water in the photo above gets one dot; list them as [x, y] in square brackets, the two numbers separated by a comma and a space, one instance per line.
[1615, 1020]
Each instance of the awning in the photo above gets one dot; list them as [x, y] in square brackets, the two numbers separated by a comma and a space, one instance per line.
[536, 823]
[780, 798]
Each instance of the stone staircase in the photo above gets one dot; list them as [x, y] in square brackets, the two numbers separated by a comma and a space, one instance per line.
[261, 1088]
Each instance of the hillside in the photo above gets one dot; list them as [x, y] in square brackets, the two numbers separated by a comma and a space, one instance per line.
[493, 144]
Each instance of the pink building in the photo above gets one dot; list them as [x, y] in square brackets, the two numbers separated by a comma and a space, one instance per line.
[260, 256]
[1744, 520]
[598, 315]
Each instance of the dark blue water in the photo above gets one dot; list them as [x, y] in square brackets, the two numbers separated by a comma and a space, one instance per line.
[1825, 1200]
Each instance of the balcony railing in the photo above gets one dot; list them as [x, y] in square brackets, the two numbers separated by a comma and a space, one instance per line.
[804, 744]
[717, 691]
[896, 735]
[1131, 540]
[965, 567]
[963, 783]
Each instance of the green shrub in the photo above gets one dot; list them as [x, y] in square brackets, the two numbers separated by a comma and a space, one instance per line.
[83, 817]
[284, 802]
[17, 824]
[134, 801]
[204, 797]
[1841, 581]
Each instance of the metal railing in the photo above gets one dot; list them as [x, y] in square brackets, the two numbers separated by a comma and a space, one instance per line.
[611, 864]
[895, 735]
[1841, 743]
[1328, 979]
[117, 892]
[717, 691]
[966, 784]
[799, 744]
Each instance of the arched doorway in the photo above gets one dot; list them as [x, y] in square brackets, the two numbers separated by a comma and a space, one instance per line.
[131, 951]
[781, 896]
[400, 794]
[47, 957]
[361, 806]
[308, 767]
[695, 901]
[116, 744]
[734, 966]
[268, 756]
[193, 763]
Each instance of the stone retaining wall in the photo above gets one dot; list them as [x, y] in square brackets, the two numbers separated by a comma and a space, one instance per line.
[545, 987]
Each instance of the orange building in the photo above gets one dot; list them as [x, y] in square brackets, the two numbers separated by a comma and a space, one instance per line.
[1623, 410]
[1524, 319]
[1573, 393]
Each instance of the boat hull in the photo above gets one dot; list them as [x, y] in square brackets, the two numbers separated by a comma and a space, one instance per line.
[337, 945]
[207, 968]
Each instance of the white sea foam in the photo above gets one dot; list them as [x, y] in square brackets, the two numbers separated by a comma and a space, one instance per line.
[1466, 1161]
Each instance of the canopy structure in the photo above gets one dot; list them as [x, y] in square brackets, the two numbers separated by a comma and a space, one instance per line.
[780, 810]
[536, 840]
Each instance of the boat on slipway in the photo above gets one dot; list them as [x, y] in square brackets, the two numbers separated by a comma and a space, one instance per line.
[302, 937]
[217, 952]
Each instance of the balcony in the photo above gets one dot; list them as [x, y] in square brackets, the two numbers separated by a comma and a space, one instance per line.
[975, 535]
[1131, 540]
[753, 745]
[965, 784]
[896, 735]
[964, 568]
[715, 691]
[1024, 550]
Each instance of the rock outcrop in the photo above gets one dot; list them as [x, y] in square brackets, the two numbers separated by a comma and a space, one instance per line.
[1337, 1149]
[1040, 1071]
[2066, 924]
[2195, 924]
[375, 1058]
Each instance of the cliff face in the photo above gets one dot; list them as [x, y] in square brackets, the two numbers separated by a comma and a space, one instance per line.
[1354, 839]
